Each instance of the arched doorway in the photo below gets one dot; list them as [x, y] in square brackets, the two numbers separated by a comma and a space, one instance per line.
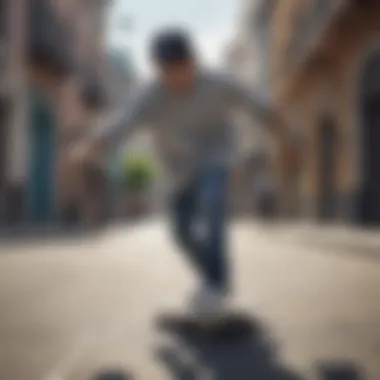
[369, 195]
[4, 124]
[42, 130]
[328, 145]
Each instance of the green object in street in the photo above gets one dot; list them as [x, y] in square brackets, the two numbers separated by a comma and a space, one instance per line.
[139, 173]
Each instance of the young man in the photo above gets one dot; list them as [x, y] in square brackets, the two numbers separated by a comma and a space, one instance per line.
[188, 111]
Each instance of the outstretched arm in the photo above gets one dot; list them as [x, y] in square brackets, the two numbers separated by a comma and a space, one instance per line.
[113, 131]
[254, 106]
[136, 113]
[261, 112]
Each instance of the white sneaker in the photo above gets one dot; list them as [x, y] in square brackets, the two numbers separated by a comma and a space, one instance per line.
[208, 305]
[207, 309]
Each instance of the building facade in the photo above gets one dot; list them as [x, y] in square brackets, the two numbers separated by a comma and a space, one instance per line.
[247, 58]
[46, 96]
[325, 69]
[320, 62]
[83, 194]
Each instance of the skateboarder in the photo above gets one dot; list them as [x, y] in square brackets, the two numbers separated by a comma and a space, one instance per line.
[188, 111]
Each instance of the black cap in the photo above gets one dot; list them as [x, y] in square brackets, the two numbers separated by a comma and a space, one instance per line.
[171, 46]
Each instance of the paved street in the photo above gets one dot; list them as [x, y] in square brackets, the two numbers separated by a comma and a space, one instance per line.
[71, 308]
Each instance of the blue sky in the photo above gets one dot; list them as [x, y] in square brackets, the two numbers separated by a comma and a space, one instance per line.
[211, 21]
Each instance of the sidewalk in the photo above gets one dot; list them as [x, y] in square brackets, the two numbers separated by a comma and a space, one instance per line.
[34, 234]
[347, 239]
[70, 313]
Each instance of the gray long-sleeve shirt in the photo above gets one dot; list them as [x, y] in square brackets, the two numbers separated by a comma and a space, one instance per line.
[191, 130]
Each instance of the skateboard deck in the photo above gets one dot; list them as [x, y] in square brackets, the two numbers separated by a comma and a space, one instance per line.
[231, 325]
[112, 375]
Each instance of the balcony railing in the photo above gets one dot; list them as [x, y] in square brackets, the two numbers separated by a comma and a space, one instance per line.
[50, 43]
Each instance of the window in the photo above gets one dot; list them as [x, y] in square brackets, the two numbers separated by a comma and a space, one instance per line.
[3, 18]
[4, 22]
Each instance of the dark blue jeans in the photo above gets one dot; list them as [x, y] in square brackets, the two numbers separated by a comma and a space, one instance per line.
[199, 220]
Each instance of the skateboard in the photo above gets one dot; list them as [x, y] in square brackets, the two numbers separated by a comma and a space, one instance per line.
[231, 325]
[112, 375]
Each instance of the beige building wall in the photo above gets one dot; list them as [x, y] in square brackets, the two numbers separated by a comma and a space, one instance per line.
[326, 82]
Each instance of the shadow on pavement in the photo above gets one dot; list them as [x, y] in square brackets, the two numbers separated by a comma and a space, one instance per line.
[339, 371]
[355, 250]
[36, 236]
[191, 357]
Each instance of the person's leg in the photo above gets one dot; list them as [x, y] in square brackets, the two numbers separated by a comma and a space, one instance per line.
[210, 309]
[184, 215]
[214, 187]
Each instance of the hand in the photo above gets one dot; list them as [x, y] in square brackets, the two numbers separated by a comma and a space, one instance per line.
[84, 152]
[78, 153]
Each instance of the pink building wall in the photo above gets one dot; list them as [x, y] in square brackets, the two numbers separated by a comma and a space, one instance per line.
[72, 115]
[85, 19]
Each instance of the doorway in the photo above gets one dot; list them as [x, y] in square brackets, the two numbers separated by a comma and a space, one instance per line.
[369, 194]
[327, 164]
[42, 160]
[4, 122]
[369, 206]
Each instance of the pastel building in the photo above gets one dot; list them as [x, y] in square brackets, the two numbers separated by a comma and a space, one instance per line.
[51, 87]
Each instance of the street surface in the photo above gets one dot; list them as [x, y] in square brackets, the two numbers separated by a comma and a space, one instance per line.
[73, 308]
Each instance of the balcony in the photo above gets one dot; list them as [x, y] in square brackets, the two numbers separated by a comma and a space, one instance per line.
[50, 43]
[93, 93]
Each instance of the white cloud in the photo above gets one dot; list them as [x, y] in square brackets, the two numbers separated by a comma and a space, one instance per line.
[212, 47]
[211, 39]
